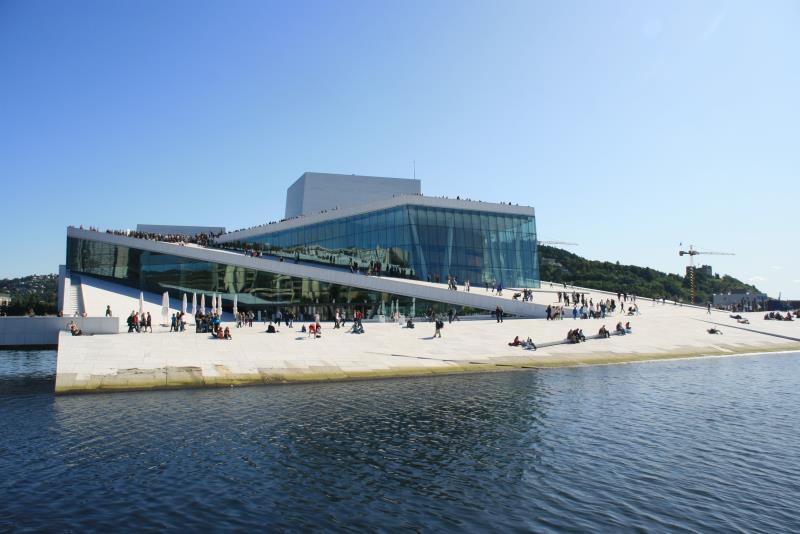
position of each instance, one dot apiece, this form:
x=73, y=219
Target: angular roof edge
x=399, y=200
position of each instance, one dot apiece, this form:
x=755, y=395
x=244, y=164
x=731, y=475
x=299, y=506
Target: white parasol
x=165, y=306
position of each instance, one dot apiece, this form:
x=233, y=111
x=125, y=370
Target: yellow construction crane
x=692, y=252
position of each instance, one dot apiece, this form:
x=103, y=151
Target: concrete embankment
x=186, y=359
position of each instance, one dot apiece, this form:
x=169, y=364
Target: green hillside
x=36, y=292
x=558, y=265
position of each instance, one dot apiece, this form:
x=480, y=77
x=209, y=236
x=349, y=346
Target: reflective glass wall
x=255, y=290
x=420, y=242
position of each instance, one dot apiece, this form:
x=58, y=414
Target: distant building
x=740, y=301
x=5, y=299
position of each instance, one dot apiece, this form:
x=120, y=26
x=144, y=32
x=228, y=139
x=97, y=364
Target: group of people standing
x=574, y=297
x=452, y=283
x=206, y=322
x=589, y=310
x=177, y=322
x=244, y=318
x=495, y=288
x=140, y=323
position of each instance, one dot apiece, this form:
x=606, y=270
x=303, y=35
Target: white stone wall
x=20, y=331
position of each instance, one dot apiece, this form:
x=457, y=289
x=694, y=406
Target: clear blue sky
x=629, y=126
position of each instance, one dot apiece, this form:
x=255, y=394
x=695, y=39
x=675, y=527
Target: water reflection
x=691, y=445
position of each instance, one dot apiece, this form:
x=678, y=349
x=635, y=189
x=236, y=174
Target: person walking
x=439, y=325
x=108, y=311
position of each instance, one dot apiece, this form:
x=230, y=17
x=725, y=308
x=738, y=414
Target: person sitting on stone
x=529, y=344
x=227, y=333
x=220, y=334
x=357, y=328
x=74, y=330
x=409, y=323
x=318, y=329
x=312, y=330
x=579, y=335
x=713, y=330
x=604, y=332
x=628, y=327
x=572, y=336
x=620, y=330
x=272, y=330
x=515, y=343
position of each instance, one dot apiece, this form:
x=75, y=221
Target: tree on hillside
x=558, y=265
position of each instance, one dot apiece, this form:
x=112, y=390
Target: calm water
x=694, y=445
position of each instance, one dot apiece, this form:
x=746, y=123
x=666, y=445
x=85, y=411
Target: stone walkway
x=186, y=359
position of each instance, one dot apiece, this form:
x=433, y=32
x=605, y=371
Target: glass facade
x=255, y=290
x=420, y=242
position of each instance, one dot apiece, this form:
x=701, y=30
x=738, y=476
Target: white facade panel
x=316, y=191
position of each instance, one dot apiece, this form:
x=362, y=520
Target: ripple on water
x=703, y=445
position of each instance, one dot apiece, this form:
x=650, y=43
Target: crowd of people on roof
x=202, y=239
